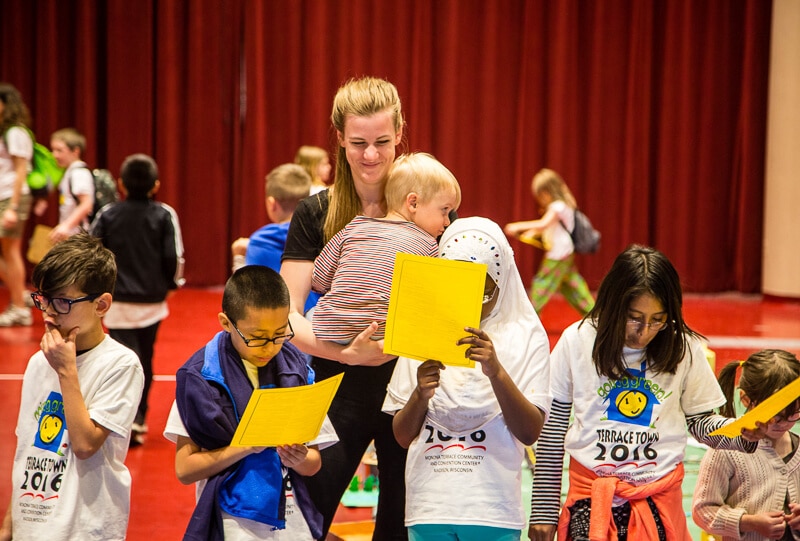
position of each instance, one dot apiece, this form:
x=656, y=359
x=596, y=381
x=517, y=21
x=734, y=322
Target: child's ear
x=121, y=187
x=411, y=200
x=744, y=399
x=154, y=189
x=224, y=321
x=103, y=304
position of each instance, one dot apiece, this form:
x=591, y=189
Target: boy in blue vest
x=253, y=492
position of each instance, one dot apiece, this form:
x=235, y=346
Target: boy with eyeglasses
x=79, y=396
x=244, y=492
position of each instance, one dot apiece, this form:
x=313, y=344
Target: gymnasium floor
x=735, y=325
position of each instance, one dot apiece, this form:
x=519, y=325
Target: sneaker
x=139, y=428
x=15, y=315
x=136, y=440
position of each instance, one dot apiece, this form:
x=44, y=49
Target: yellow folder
x=284, y=416
x=763, y=412
x=431, y=302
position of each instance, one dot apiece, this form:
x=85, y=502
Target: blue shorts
x=461, y=532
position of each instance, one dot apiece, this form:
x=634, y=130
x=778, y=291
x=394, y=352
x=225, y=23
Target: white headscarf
x=465, y=400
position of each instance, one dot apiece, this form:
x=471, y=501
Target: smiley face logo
x=49, y=428
x=631, y=404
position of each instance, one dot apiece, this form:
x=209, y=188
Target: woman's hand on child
x=364, y=351
x=428, y=375
x=292, y=455
x=481, y=350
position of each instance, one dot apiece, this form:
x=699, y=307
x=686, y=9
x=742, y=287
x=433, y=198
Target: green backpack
x=46, y=174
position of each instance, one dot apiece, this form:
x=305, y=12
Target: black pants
x=581, y=511
x=141, y=341
x=357, y=417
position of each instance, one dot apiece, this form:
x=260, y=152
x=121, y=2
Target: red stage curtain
x=654, y=112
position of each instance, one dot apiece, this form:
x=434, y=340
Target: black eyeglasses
x=60, y=304
x=261, y=342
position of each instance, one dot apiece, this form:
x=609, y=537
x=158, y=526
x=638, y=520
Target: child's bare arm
x=523, y=419
x=192, y=463
x=408, y=421
x=515, y=229
x=302, y=459
x=85, y=204
x=5, y=527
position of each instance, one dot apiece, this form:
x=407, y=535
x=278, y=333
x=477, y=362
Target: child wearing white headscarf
x=466, y=428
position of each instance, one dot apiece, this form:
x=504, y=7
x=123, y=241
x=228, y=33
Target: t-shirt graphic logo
x=51, y=424
x=632, y=399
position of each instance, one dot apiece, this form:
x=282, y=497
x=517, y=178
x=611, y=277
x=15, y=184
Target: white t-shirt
x=16, y=142
x=557, y=236
x=480, y=468
x=77, y=180
x=57, y=496
x=242, y=529
x=634, y=428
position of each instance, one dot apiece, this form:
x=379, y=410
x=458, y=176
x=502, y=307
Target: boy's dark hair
x=81, y=260
x=763, y=374
x=139, y=173
x=636, y=271
x=253, y=286
x=70, y=137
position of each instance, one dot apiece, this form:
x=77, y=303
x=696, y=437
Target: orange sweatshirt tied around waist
x=665, y=492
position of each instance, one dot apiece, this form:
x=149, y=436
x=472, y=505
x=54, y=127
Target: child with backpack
x=558, y=271
x=145, y=237
x=76, y=189
x=754, y=496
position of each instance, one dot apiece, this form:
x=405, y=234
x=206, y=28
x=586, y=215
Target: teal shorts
x=461, y=532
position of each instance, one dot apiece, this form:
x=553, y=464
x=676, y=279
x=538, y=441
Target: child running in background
x=558, y=272
x=244, y=493
x=635, y=376
x=76, y=189
x=354, y=269
x=754, y=496
x=488, y=413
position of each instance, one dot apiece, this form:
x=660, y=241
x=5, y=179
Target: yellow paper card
x=432, y=300
x=534, y=240
x=285, y=415
x=765, y=411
